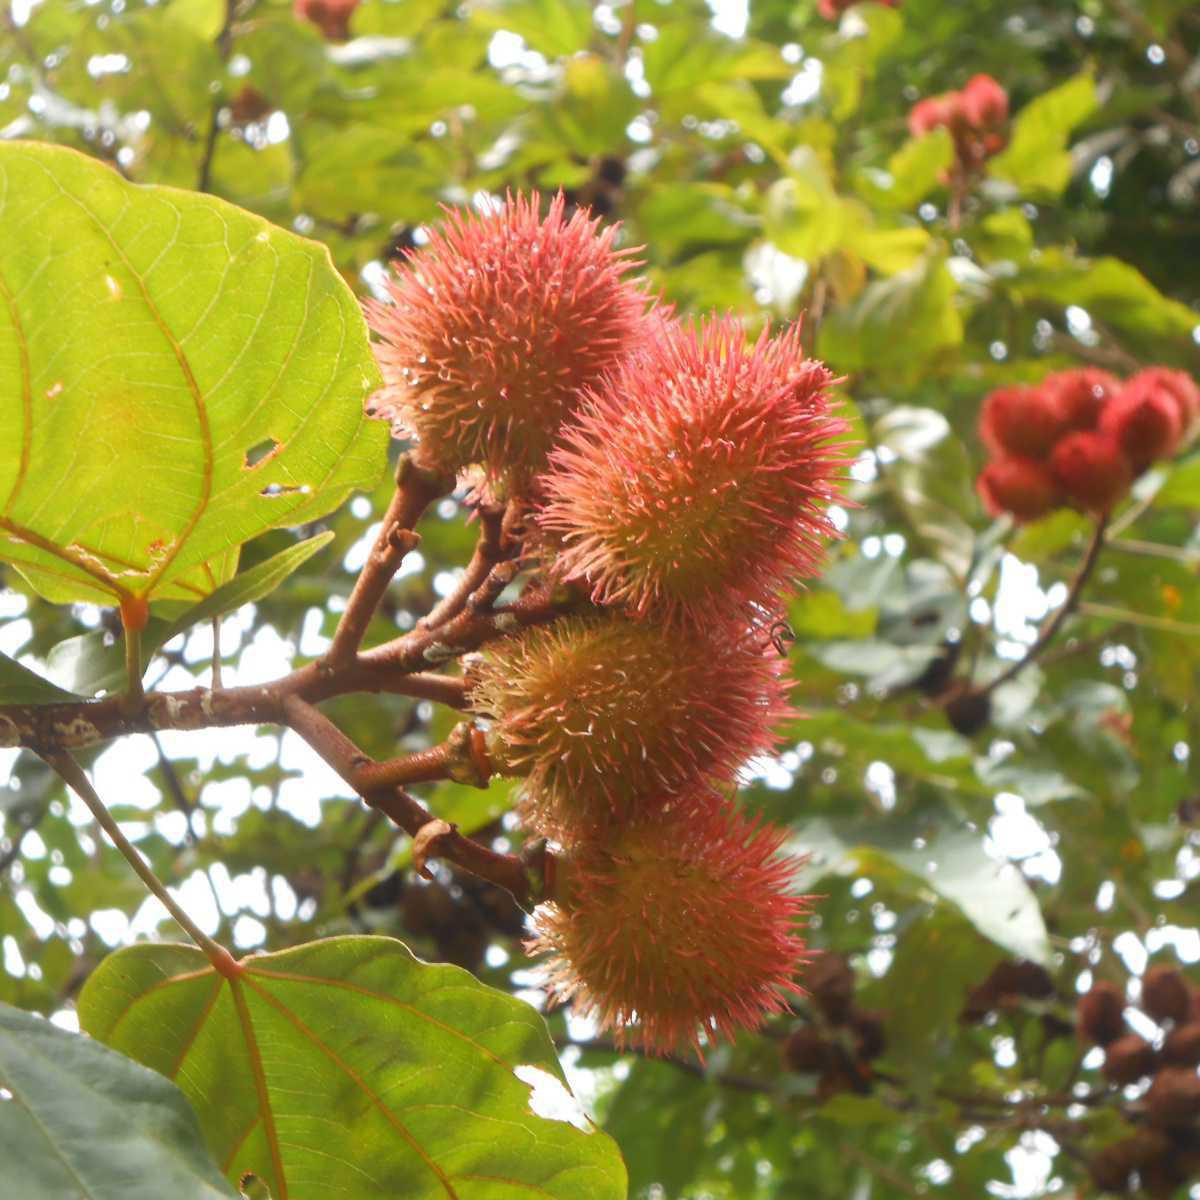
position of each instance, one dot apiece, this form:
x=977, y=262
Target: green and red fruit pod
x=608, y=717
x=1081, y=396
x=984, y=102
x=1145, y=422
x=676, y=930
x=695, y=486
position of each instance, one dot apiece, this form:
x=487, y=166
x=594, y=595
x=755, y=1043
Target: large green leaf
x=183, y=377
x=897, y=326
x=86, y=1123
x=947, y=859
x=349, y=1067
x=1110, y=290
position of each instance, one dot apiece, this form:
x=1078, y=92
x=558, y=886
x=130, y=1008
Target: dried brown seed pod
x=1182, y=1047
x=1128, y=1059
x=1100, y=1014
x=1174, y=1097
x=830, y=979
x=1165, y=994
x=807, y=1051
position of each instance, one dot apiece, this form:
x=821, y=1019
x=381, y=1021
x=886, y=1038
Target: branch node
x=424, y=843
x=467, y=758
x=538, y=865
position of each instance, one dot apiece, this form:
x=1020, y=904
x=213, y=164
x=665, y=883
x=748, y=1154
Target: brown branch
x=73, y=775
x=224, y=48
x=397, y=667
x=528, y=877
x=1050, y=629
x=462, y=757
x=493, y=547
x=416, y=489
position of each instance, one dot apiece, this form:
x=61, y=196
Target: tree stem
x=1050, y=629
x=416, y=488
x=76, y=779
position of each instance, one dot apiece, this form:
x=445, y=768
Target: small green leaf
x=558, y=28
x=1182, y=488
x=347, y=1066
x=1037, y=160
x=946, y=858
x=249, y=586
x=898, y=325
x=888, y=250
x=912, y=171
x=87, y=1123
x=95, y=662
x=804, y=216
x=20, y=685
x=155, y=427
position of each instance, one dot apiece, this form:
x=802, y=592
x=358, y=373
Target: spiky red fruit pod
x=1145, y=422
x=695, y=485
x=1174, y=386
x=1023, y=421
x=984, y=102
x=495, y=327
x=1081, y=396
x=1092, y=469
x=687, y=926
x=331, y=17
x=1021, y=486
x=609, y=718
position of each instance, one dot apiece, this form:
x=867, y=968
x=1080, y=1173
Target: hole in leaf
x=550, y=1099
x=253, y=1188
x=284, y=489
x=259, y=453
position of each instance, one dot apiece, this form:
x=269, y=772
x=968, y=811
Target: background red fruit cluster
x=975, y=116
x=1080, y=438
x=832, y=9
x=331, y=17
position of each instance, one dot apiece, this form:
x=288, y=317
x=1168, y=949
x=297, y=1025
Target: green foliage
x=82, y=1121
x=772, y=172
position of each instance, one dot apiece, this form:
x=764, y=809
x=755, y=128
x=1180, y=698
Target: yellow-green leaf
x=348, y=1067
x=180, y=376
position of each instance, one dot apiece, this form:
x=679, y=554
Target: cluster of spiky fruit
x=1164, y=1150
x=975, y=117
x=672, y=480
x=1081, y=437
